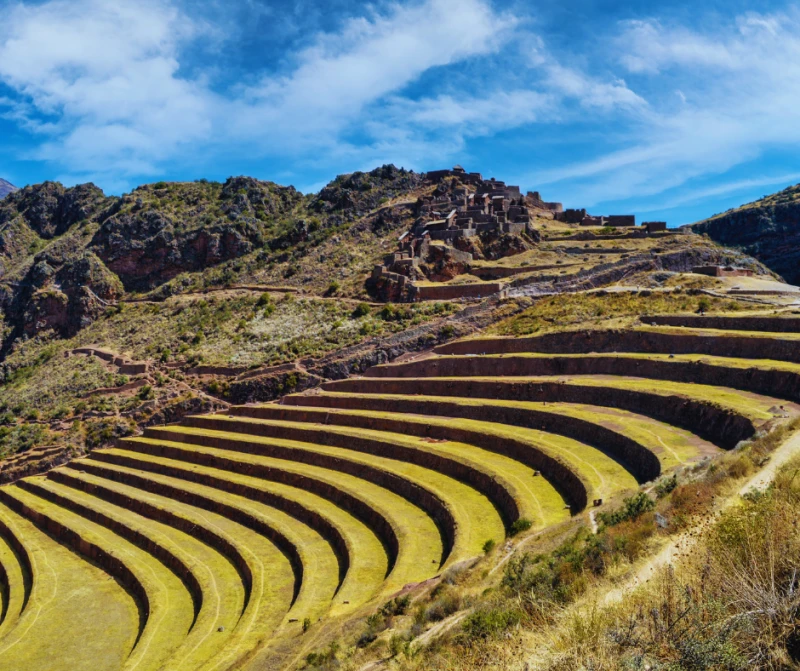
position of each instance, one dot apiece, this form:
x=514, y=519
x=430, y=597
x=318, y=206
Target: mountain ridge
x=767, y=229
x=6, y=187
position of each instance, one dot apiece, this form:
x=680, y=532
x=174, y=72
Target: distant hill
x=768, y=229
x=6, y=188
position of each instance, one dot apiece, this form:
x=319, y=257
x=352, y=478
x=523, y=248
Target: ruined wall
x=448, y=292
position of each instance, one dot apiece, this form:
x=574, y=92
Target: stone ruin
x=462, y=212
x=463, y=205
x=723, y=271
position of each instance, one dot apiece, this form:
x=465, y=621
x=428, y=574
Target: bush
x=490, y=622
x=488, y=546
x=666, y=486
x=145, y=393
x=522, y=524
x=362, y=310
x=397, y=606
x=445, y=602
x=633, y=506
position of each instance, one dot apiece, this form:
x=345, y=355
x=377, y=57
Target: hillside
x=767, y=229
x=395, y=423
x=6, y=188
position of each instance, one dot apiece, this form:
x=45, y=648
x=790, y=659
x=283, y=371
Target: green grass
x=78, y=617
x=221, y=588
x=272, y=577
x=536, y=497
x=601, y=474
x=419, y=540
x=672, y=445
x=368, y=561
x=13, y=596
x=475, y=515
x=722, y=361
x=600, y=309
x=752, y=406
x=691, y=330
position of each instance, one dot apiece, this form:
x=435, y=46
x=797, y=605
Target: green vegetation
x=601, y=308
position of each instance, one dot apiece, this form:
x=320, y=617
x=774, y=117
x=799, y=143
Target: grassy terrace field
x=419, y=542
x=250, y=538
x=673, y=446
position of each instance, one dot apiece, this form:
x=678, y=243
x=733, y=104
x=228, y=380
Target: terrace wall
x=656, y=342
x=718, y=425
x=644, y=465
x=770, y=382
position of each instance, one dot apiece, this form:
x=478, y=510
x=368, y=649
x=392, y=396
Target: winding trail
x=686, y=540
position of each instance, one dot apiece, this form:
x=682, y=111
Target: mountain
x=6, y=188
x=767, y=229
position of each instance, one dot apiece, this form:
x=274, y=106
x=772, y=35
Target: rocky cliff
x=768, y=229
x=6, y=188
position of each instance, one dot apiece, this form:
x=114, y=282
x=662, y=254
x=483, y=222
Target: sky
x=673, y=111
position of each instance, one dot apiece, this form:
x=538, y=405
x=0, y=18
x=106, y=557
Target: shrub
x=489, y=622
x=633, y=506
x=397, y=606
x=522, y=524
x=145, y=393
x=488, y=546
x=666, y=486
x=361, y=310
x=447, y=331
x=306, y=624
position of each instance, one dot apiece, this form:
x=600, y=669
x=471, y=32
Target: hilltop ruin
x=464, y=218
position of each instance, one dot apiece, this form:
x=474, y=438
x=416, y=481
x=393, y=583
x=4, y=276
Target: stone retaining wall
x=106, y=561
x=770, y=382
x=429, y=502
x=642, y=463
x=309, y=517
x=379, y=524
x=718, y=425
x=491, y=486
x=755, y=323
x=655, y=342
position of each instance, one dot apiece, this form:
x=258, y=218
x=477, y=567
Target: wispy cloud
x=737, y=91
x=115, y=91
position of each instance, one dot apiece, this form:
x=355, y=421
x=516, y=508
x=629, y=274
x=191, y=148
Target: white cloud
x=105, y=75
x=733, y=95
x=108, y=79
x=334, y=80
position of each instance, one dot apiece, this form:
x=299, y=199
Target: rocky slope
x=6, y=188
x=768, y=229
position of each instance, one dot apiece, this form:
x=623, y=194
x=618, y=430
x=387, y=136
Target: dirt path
x=685, y=541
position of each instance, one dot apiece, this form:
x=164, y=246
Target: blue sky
x=672, y=110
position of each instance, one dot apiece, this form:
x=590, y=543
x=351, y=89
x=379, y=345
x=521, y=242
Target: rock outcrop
x=768, y=229
x=6, y=187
